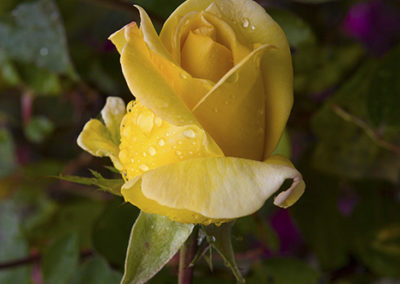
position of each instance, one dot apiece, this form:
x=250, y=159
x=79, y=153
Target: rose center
x=205, y=58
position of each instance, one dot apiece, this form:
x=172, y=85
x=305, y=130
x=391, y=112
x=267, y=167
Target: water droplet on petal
x=189, y=133
x=161, y=142
x=145, y=122
x=245, y=23
x=158, y=121
x=179, y=153
x=253, y=27
x=143, y=167
x=183, y=75
x=152, y=151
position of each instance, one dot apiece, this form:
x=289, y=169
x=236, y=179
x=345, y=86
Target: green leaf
x=95, y=270
x=383, y=98
x=284, y=271
x=154, y=240
x=113, y=227
x=110, y=185
x=376, y=229
x=40, y=80
x=13, y=246
x=325, y=230
x=78, y=216
x=38, y=128
x=351, y=153
x=8, y=72
x=329, y=64
x=35, y=35
x=220, y=238
x=7, y=156
x=60, y=260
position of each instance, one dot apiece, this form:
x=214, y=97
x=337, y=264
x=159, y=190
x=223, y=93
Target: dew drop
x=245, y=23
x=143, y=167
x=189, y=133
x=180, y=142
x=252, y=27
x=183, y=75
x=161, y=142
x=145, y=122
x=152, y=151
x=158, y=121
x=144, y=154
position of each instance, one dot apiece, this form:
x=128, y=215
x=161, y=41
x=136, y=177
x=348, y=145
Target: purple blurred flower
x=289, y=236
x=375, y=23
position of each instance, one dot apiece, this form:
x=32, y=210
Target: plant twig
x=186, y=255
x=35, y=257
x=367, y=129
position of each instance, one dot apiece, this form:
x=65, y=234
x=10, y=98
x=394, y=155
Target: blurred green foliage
x=56, y=70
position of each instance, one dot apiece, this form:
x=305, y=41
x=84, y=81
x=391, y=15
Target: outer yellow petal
x=118, y=38
x=158, y=83
x=150, y=87
x=112, y=114
x=150, y=35
x=252, y=25
x=148, y=142
x=96, y=139
x=217, y=188
x=233, y=111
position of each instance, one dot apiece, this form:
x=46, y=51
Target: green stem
x=186, y=255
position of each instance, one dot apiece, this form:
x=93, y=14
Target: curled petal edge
x=213, y=189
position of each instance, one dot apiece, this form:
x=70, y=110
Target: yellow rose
x=213, y=94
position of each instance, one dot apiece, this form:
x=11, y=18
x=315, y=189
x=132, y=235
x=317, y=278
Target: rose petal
x=148, y=142
x=205, y=58
x=96, y=139
x=112, y=114
x=213, y=189
x=251, y=23
x=150, y=35
x=233, y=111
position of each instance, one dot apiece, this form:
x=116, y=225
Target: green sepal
x=110, y=185
x=220, y=238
